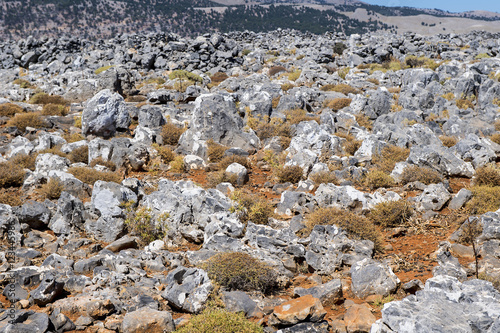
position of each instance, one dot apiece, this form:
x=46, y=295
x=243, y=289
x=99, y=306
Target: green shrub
x=141, y=223
x=354, y=224
x=291, y=173
x=415, y=173
x=220, y=321
x=23, y=120
x=9, y=109
x=487, y=175
x=177, y=165
x=170, y=134
x=11, y=175
x=485, y=199
x=79, y=155
x=90, y=176
x=391, y=213
x=377, y=179
x=294, y=75
x=52, y=189
x=240, y=271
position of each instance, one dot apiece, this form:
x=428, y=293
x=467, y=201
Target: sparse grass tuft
x=364, y=121
x=240, y=271
x=495, y=138
x=391, y=213
x=276, y=69
x=102, y=69
x=166, y=154
x=141, y=223
x=354, y=224
x=177, y=165
x=341, y=88
x=22, y=83
x=294, y=75
x=415, y=173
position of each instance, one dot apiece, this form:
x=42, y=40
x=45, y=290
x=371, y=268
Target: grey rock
x=292, y=203
x=187, y=289
x=14, y=292
x=151, y=116
x=239, y=171
x=238, y=301
x=21, y=321
x=460, y=199
x=104, y=114
x=106, y=228
x=34, y=213
x=48, y=290
x=370, y=277
x=434, y=197
x=58, y=262
x=107, y=197
x=69, y=214
x=413, y=286
x=472, y=306
x=440, y=159
x=61, y=322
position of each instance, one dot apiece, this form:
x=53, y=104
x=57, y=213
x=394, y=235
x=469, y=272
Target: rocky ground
x=309, y=183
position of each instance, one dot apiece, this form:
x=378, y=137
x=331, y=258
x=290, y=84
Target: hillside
x=105, y=18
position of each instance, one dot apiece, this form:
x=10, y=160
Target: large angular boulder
x=147, y=320
x=444, y=305
x=305, y=308
x=104, y=114
x=370, y=277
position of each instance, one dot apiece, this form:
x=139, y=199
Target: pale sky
x=449, y=5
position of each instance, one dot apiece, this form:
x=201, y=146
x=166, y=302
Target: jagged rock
x=69, y=214
x=104, y=114
x=359, y=318
x=24, y=321
x=456, y=307
x=370, y=277
x=107, y=197
x=47, y=291
x=238, y=301
x=434, y=197
x=448, y=264
x=36, y=214
x=460, y=199
x=187, y=289
x=440, y=159
x=61, y=322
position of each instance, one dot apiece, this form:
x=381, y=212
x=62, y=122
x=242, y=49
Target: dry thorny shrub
x=415, y=173
x=324, y=177
x=487, y=175
x=52, y=189
x=228, y=160
x=377, y=178
x=337, y=103
x=23, y=120
x=391, y=213
x=289, y=173
x=354, y=224
x=296, y=116
x=9, y=109
x=252, y=208
x=90, y=176
x=215, y=151
x=11, y=175
x=101, y=161
x=79, y=155
x=448, y=141
x=389, y=156
x=170, y=134
x=10, y=197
